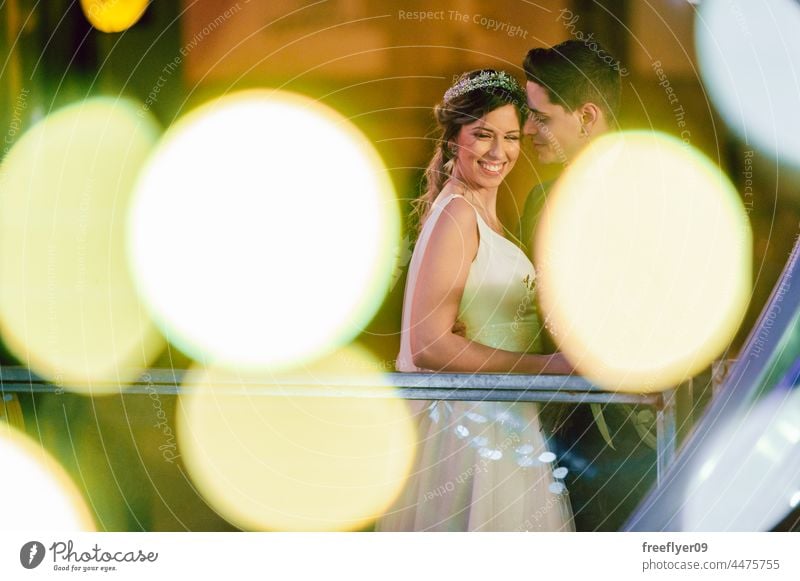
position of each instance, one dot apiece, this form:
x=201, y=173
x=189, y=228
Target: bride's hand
x=559, y=365
x=555, y=364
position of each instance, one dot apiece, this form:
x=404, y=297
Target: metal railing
x=498, y=387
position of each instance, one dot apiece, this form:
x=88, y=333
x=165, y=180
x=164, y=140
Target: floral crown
x=483, y=80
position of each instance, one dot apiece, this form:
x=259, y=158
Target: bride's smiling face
x=487, y=149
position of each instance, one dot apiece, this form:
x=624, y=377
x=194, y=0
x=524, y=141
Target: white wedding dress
x=481, y=466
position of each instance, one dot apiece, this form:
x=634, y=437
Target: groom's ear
x=591, y=117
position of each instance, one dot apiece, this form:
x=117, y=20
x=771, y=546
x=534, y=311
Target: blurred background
x=384, y=69
x=381, y=65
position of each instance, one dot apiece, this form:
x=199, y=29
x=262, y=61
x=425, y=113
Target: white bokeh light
x=38, y=493
x=749, y=55
x=750, y=471
x=262, y=231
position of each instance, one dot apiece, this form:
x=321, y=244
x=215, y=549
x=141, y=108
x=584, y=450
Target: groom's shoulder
x=531, y=211
x=536, y=198
x=540, y=190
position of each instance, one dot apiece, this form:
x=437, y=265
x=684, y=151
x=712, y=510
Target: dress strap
x=483, y=227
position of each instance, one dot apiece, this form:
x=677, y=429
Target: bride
x=481, y=466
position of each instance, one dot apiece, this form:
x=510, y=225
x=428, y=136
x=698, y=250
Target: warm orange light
x=113, y=15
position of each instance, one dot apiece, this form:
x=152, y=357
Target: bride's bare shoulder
x=452, y=188
x=458, y=215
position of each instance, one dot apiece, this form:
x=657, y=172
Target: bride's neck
x=486, y=196
x=484, y=199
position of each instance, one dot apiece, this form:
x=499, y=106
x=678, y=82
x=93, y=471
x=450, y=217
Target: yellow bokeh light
x=38, y=494
x=68, y=307
x=644, y=260
x=113, y=15
x=290, y=462
x=263, y=230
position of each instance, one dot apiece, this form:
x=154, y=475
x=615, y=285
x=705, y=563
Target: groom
x=574, y=96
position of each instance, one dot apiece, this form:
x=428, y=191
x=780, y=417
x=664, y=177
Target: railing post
x=665, y=432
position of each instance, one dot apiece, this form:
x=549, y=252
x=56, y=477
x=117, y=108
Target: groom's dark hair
x=574, y=73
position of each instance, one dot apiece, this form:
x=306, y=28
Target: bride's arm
x=439, y=286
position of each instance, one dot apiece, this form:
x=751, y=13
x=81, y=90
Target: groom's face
x=554, y=131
